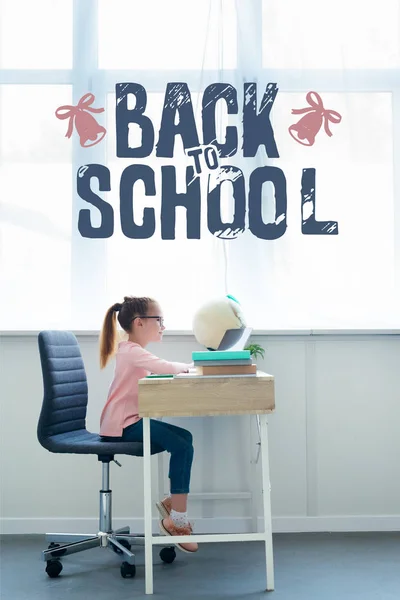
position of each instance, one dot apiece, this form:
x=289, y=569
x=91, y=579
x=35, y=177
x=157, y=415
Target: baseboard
x=214, y=525
x=334, y=523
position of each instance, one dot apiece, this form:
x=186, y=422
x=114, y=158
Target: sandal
x=168, y=527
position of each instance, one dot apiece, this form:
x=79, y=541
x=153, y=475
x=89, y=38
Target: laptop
x=235, y=339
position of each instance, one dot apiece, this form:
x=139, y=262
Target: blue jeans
x=175, y=440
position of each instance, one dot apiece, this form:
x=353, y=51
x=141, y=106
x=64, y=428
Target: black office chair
x=62, y=429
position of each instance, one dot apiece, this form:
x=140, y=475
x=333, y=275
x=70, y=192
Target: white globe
x=211, y=320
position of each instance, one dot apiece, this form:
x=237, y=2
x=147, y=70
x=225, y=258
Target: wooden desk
x=206, y=396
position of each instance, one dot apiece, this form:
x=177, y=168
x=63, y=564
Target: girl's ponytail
x=108, y=336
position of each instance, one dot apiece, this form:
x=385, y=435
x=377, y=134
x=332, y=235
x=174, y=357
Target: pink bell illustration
x=309, y=125
x=90, y=132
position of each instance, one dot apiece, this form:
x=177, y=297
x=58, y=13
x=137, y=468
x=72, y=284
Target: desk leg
x=148, y=546
x=267, y=503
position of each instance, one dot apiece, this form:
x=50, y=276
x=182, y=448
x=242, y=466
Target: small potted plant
x=255, y=351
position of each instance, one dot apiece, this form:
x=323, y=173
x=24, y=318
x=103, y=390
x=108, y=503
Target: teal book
x=227, y=363
x=207, y=355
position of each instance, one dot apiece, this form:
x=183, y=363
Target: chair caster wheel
x=168, y=555
x=123, y=543
x=128, y=570
x=53, y=568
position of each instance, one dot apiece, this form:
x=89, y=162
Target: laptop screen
x=235, y=339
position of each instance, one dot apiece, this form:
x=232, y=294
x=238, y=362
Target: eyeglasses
x=160, y=319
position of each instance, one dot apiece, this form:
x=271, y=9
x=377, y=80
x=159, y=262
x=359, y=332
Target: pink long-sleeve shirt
x=132, y=363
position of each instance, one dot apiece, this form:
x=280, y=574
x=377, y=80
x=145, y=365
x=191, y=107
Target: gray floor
x=361, y=566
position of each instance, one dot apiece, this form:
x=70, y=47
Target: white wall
x=334, y=442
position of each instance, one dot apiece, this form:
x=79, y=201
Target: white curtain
x=349, y=54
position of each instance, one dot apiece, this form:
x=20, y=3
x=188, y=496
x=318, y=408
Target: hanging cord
x=204, y=56
x=220, y=41
x=220, y=77
x=241, y=44
x=255, y=460
x=220, y=69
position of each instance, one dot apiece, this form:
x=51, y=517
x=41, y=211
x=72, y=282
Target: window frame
x=85, y=76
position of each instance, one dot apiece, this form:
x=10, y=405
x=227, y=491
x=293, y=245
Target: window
x=36, y=199
x=173, y=35
x=36, y=35
x=53, y=277
x=308, y=35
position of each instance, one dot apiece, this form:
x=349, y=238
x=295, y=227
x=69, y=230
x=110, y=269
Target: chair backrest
x=65, y=385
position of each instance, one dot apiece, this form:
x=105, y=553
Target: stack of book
x=224, y=362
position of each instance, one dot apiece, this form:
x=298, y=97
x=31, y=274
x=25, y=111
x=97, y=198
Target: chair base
x=71, y=543
x=120, y=540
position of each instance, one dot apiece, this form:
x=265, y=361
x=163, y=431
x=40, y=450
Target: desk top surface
x=195, y=379
x=201, y=395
